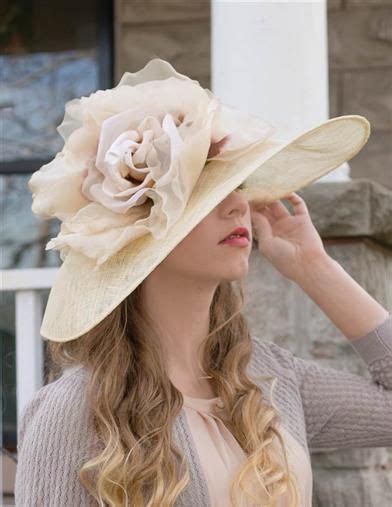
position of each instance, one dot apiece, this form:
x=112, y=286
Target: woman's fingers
x=298, y=204
x=267, y=212
x=278, y=210
x=261, y=228
x=274, y=211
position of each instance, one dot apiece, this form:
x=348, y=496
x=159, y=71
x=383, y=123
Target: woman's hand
x=290, y=242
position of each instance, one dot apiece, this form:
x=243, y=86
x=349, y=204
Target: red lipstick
x=238, y=237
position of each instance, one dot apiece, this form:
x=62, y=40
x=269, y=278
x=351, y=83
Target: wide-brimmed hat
x=142, y=164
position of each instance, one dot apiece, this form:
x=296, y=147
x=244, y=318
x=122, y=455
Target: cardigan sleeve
x=345, y=410
x=52, y=445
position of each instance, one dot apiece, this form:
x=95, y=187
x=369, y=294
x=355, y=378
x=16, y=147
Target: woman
x=187, y=294
x=168, y=401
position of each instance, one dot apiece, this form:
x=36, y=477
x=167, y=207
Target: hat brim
x=81, y=297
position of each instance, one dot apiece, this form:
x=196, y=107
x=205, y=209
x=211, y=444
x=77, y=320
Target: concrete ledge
x=359, y=209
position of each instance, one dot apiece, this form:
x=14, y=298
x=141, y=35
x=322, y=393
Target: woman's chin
x=238, y=273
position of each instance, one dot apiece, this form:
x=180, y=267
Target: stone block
x=335, y=92
x=374, y=161
x=354, y=459
x=365, y=4
x=360, y=38
x=350, y=209
x=277, y=309
x=162, y=11
x=348, y=488
x=369, y=93
x=334, y=4
x=185, y=46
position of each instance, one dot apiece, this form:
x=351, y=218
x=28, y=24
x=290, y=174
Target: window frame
x=105, y=57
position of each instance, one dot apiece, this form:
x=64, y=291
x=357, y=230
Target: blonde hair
x=134, y=404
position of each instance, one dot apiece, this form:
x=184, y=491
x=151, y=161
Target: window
x=50, y=53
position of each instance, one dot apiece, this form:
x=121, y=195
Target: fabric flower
x=132, y=156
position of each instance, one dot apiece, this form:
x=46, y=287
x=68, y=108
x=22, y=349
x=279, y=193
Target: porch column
x=271, y=59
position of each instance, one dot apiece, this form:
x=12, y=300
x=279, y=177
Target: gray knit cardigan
x=323, y=408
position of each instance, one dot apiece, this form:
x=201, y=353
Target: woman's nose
x=235, y=203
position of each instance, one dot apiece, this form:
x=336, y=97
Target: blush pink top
x=221, y=455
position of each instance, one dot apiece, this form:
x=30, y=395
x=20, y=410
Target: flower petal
x=56, y=188
x=155, y=70
x=72, y=118
x=235, y=132
x=98, y=232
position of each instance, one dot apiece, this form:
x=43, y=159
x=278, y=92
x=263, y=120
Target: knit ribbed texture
x=321, y=407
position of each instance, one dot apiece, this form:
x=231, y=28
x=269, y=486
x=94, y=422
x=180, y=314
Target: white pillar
x=29, y=347
x=28, y=318
x=270, y=58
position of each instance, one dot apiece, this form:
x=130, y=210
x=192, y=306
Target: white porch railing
x=28, y=315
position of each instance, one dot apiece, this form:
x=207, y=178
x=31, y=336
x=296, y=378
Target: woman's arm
x=343, y=409
x=353, y=311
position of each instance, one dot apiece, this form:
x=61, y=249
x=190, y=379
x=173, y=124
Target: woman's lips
x=238, y=241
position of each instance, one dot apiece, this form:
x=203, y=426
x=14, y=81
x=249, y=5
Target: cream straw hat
x=142, y=164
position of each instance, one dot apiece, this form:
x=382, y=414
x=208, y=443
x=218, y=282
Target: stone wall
x=360, y=72
x=175, y=30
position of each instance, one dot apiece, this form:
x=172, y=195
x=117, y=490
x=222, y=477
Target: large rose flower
x=132, y=156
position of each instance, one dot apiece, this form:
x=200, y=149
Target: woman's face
x=200, y=254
